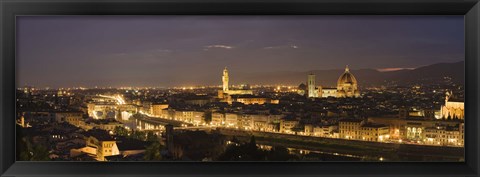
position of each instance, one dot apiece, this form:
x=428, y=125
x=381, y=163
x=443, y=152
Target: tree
x=139, y=135
x=244, y=152
x=279, y=153
x=232, y=153
x=235, y=139
x=208, y=117
x=40, y=153
x=253, y=143
x=153, y=152
x=34, y=152
x=298, y=128
x=120, y=131
x=152, y=137
x=253, y=152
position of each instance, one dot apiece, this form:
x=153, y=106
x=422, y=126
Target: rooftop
x=131, y=144
x=246, y=96
x=372, y=125
x=99, y=134
x=350, y=120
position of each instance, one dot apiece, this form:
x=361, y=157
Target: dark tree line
x=250, y=152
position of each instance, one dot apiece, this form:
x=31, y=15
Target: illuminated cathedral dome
x=347, y=77
x=347, y=85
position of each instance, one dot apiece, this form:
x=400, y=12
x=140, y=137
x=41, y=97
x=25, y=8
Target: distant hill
x=366, y=77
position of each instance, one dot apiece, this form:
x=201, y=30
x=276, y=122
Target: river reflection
x=152, y=124
x=142, y=124
x=315, y=155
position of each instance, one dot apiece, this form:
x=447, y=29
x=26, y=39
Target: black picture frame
x=12, y=8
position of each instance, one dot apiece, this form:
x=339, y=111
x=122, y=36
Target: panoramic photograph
x=240, y=88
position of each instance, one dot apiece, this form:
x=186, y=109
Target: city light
x=273, y=112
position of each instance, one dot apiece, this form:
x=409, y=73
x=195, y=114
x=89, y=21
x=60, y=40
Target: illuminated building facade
x=196, y=117
x=308, y=129
x=225, y=80
x=421, y=130
x=260, y=121
x=302, y=88
x=104, y=145
x=218, y=119
x=326, y=131
x=156, y=109
x=350, y=129
x=68, y=116
x=287, y=125
x=444, y=135
x=415, y=131
x=375, y=132
x=311, y=87
x=21, y=122
x=109, y=126
x=347, y=85
x=226, y=92
x=251, y=99
x=453, y=108
x=328, y=92
x=356, y=129
x=231, y=119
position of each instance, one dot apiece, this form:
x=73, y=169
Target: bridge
x=149, y=123
x=117, y=98
x=109, y=106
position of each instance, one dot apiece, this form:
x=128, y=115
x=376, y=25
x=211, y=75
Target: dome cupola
x=347, y=85
x=347, y=77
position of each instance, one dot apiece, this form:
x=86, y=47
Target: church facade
x=453, y=108
x=347, y=86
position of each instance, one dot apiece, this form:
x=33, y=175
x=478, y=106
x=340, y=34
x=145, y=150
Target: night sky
x=88, y=51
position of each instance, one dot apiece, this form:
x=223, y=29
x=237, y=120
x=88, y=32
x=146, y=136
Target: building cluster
x=411, y=126
x=75, y=118
x=104, y=107
x=347, y=86
x=360, y=130
x=244, y=95
x=404, y=130
x=80, y=123
x=70, y=136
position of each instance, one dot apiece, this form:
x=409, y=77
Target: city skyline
x=240, y=88
x=161, y=51
x=454, y=69
x=221, y=124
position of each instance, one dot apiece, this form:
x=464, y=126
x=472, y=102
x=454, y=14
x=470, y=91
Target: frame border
x=12, y=8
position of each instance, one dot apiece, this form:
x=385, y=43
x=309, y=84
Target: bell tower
x=225, y=79
x=312, y=91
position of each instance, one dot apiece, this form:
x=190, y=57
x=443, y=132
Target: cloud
x=393, y=69
x=282, y=47
x=218, y=46
x=150, y=52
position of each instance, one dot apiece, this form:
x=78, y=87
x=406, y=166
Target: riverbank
x=371, y=151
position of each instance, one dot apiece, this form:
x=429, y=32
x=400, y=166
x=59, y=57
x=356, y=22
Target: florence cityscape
x=203, y=88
